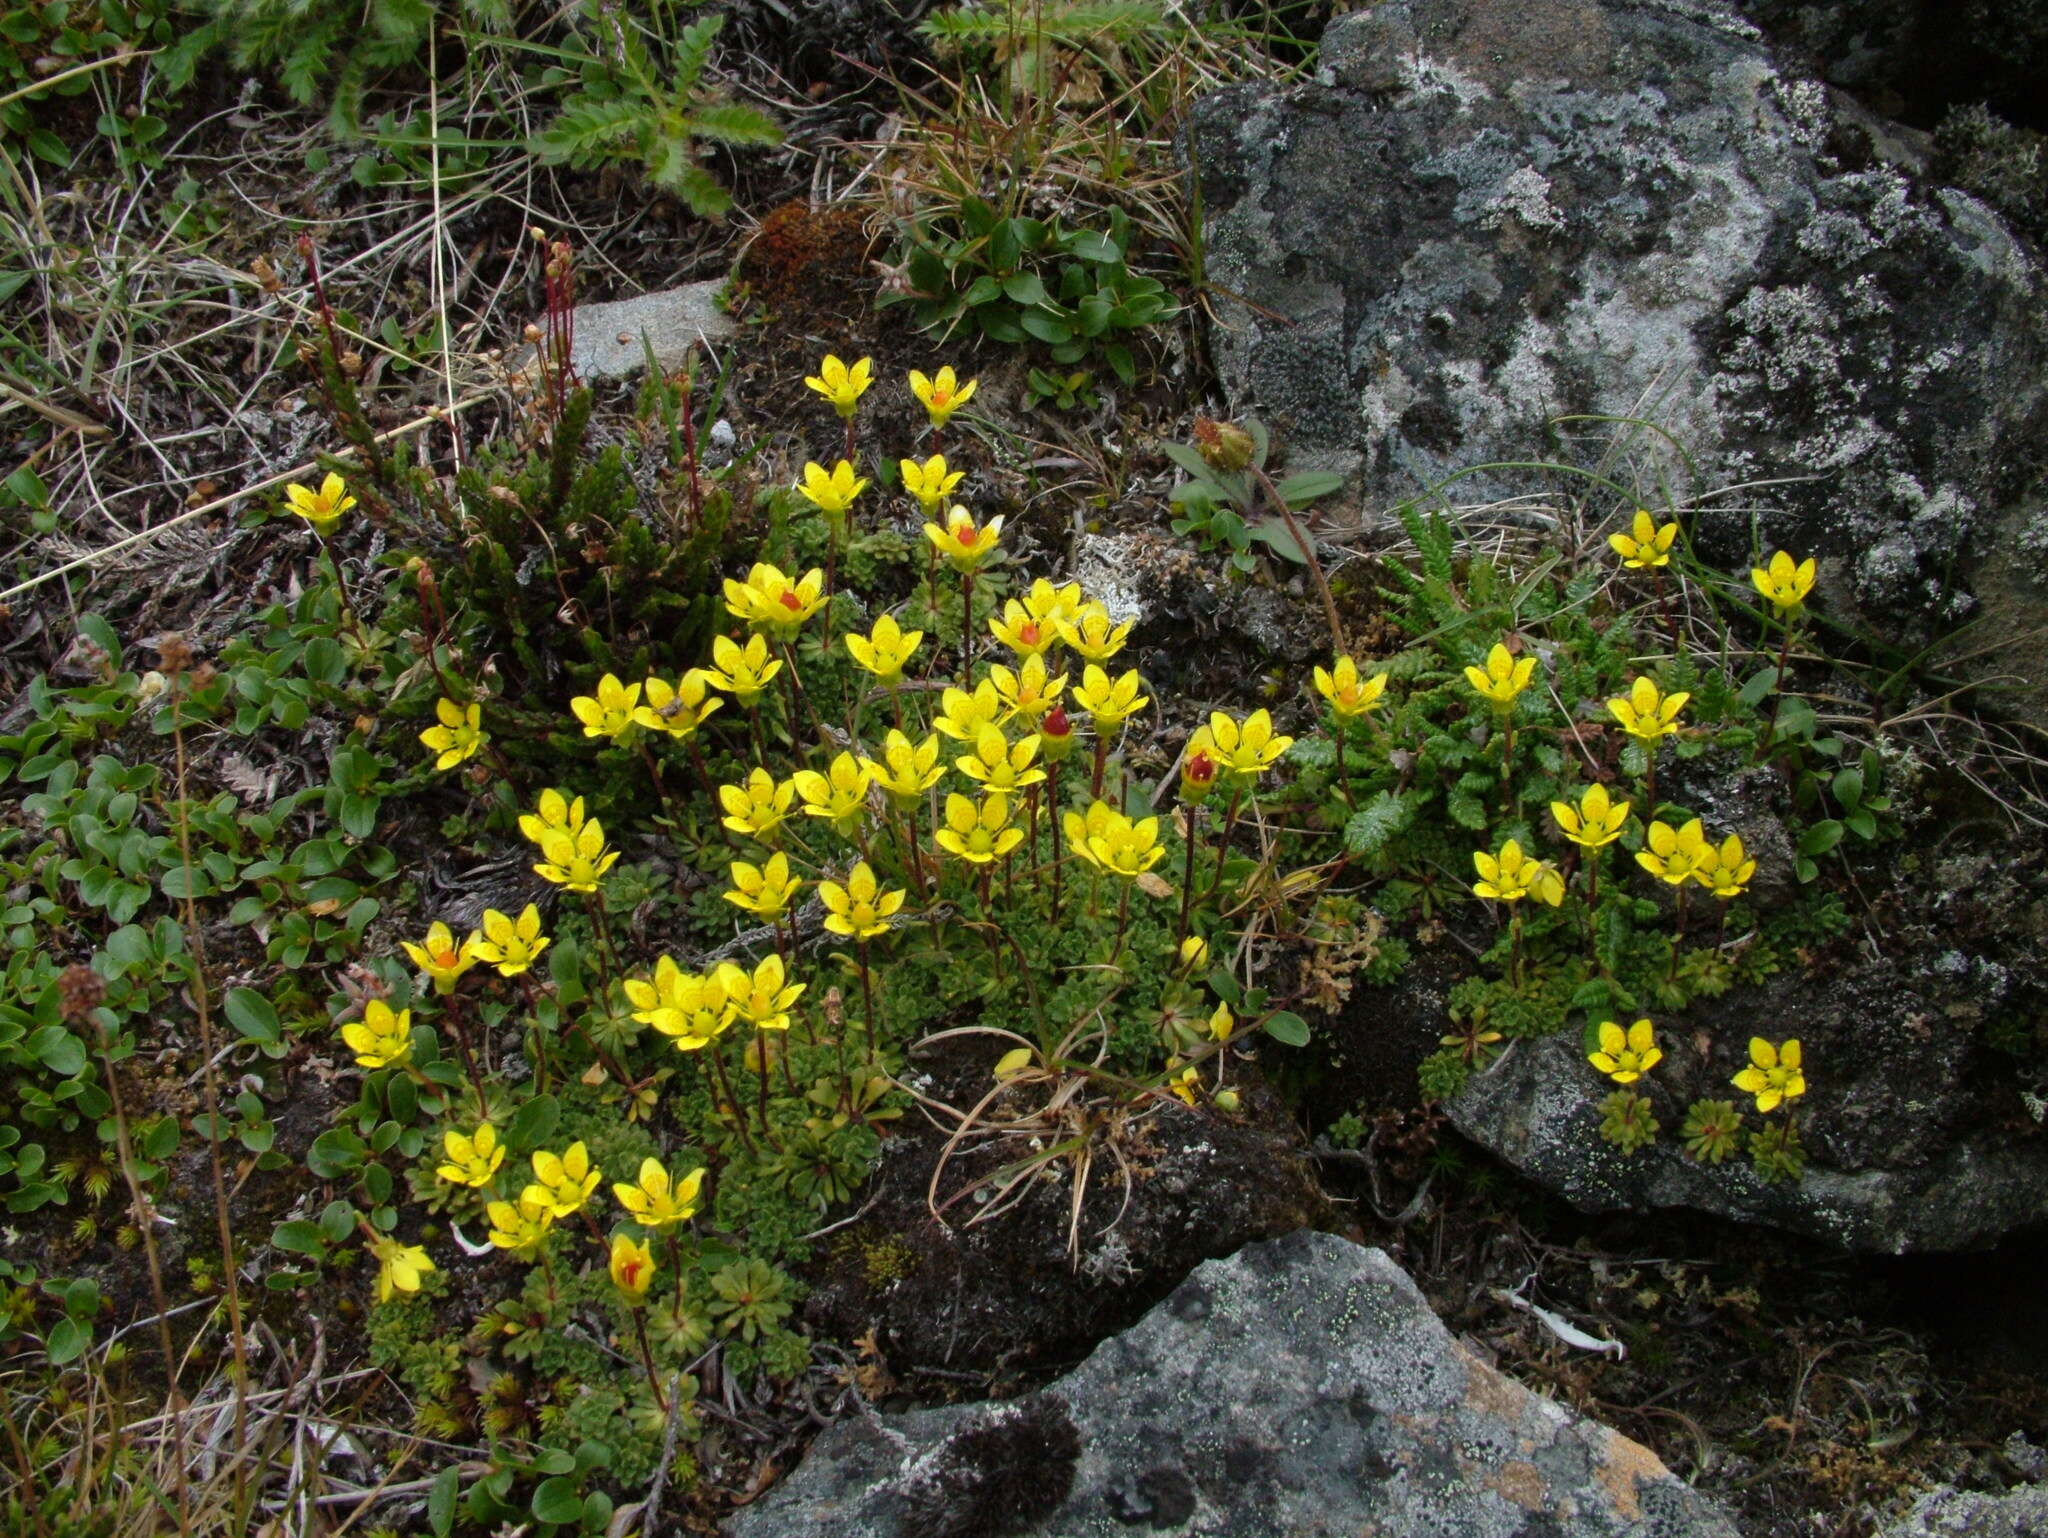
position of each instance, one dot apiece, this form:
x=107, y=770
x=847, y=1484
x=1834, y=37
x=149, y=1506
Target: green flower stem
x=1778, y=693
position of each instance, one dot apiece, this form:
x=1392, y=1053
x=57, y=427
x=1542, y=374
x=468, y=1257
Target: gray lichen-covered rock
x=1300, y=1388
x=613, y=339
x=1483, y=217
x=1538, y=1108
x=1949, y=1513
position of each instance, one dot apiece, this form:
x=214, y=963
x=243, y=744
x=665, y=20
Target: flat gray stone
x=1299, y=1389
x=1951, y=1513
x=608, y=341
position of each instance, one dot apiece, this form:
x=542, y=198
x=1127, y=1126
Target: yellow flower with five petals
x=691, y=1009
x=839, y=795
x=1645, y=545
x=999, y=765
x=657, y=1199
x=511, y=945
x=763, y=890
x=1785, y=582
x=382, y=1038
x=1248, y=749
x=458, y=736
x=831, y=492
x=1503, y=677
x=931, y=482
x=1092, y=634
x=1110, y=704
x=632, y=1267
x=762, y=997
x=860, y=909
x=757, y=805
x=442, y=958
x=1595, y=822
x=885, y=650
x=322, y=508
x=978, y=834
x=577, y=861
x=678, y=709
x=1774, y=1075
x=400, y=1267
x=942, y=394
x=1348, y=694
x=742, y=671
x=840, y=385
x=473, y=1158
x=906, y=770
x=520, y=1226
x=1675, y=855
x=556, y=813
x=609, y=712
x=1625, y=1056
x=563, y=1181
x=1647, y=713
x=1028, y=692
x=964, y=543
x=1508, y=876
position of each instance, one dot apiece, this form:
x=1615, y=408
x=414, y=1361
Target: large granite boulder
x=1482, y=217
x=1300, y=1388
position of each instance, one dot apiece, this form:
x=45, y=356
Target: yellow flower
x=770, y=600
x=1647, y=545
x=840, y=385
x=964, y=544
x=1187, y=1083
x=472, y=1160
x=576, y=860
x=322, y=508
x=1222, y=1023
x=1247, y=750
x=1082, y=828
x=608, y=713
x=681, y=708
x=840, y=794
x=520, y=1226
x=942, y=395
x=1546, y=883
x=860, y=909
x=963, y=715
x=1192, y=956
x=511, y=945
x=931, y=483
x=761, y=997
x=1019, y=630
x=459, y=735
x=557, y=814
x=761, y=890
x=1001, y=766
x=885, y=650
x=1507, y=877
x=742, y=671
x=1597, y=821
x=1773, y=1074
x=562, y=1182
x=689, y=1009
x=831, y=493
x=1112, y=842
x=1675, y=854
x=1348, y=694
x=656, y=1200
x=1027, y=692
x=441, y=958
x=757, y=806
x=1646, y=713
x=632, y=1267
x=1625, y=1056
x=1110, y=704
x=1049, y=605
x=906, y=770
x=1785, y=582
x=1091, y=634
x=978, y=834
x=382, y=1038
x=1503, y=677
x=1727, y=870
x=399, y=1266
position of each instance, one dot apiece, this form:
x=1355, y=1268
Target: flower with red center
x=1197, y=776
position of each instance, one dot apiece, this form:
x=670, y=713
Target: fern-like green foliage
x=1026, y=36
x=326, y=48
x=653, y=112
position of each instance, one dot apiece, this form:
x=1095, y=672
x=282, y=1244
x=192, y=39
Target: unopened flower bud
x=1055, y=735
x=1197, y=777
x=1194, y=955
x=1224, y=1100
x=1222, y=445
